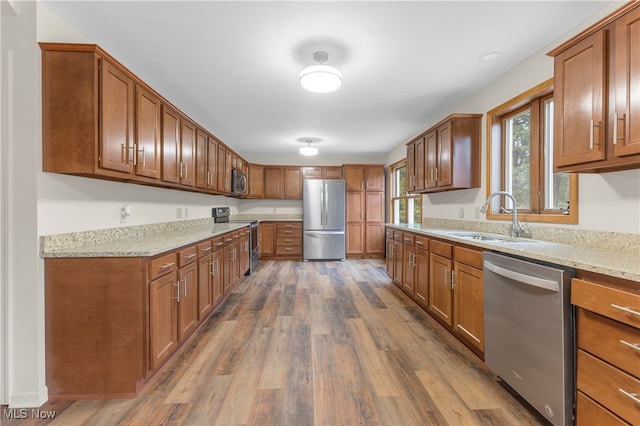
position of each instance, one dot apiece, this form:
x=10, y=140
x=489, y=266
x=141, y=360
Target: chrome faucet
x=516, y=227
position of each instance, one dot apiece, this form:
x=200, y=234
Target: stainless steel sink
x=486, y=237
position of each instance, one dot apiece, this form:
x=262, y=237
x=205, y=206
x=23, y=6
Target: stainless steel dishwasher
x=529, y=332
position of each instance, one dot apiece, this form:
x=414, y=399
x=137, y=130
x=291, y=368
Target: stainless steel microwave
x=238, y=182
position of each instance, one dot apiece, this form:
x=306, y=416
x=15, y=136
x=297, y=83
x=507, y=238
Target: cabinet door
x=244, y=253
x=332, y=172
x=408, y=273
x=355, y=207
x=188, y=300
x=375, y=178
x=421, y=293
x=256, y=181
x=627, y=84
x=148, y=137
x=445, y=156
x=292, y=183
x=431, y=160
x=389, y=257
x=266, y=239
x=374, y=239
x=212, y=163
x=578, y=97
x=440, y=297
x=354, y=178
x=419, y=166
x=217, y=265
x=205, y=303
x=468, y=309
x=354, y=239
x=163, y=318
x=116, y=118
x=398, y=262
x=224, y=179
x=273, y=182
x=202, y=149
x=411, y=167
x=188, y=153
x=170, y=145
x=374, y=206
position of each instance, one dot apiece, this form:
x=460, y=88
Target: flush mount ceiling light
x=489, y=57
x=309, y=150
x=320, y=78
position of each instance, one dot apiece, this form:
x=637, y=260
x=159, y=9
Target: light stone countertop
x=613, y=261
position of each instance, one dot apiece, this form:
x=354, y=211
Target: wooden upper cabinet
x=188, y=153
x=359, y=177
x=374, y=178
x=411, y=167
x=450, y=154
x=206, y=161
x=273, y=182
x=256, y=181
x=148, y=134
x=212, y=163
x=415, y=165
x=626, y=47
x=170, y=145
x=224, y=169
x=116, y=118
x=354, y=178
x=578, y=96
x=324, y=172
x=597, y=107
x=292, y=183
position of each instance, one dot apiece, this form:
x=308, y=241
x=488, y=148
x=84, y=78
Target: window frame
x=535, y=97
x=406, y=196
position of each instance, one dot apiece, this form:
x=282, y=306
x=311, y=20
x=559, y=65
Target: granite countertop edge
x=615, y=263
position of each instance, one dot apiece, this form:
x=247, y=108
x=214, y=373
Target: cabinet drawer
x=217, y=243
x=289, y=225
x=289, y=241
x=610, y=340
x=620, y=305
x=162, y=265
x=204, y=248
x=438, y=247
x=288, y=250
x=288, y=232
x=422, y=242
x=389, y=233
x=227, y=238
x=605, y=384
x=186, y=256
x=408, y=239
x=398, y=235
x=589, y=412
x=468, y=257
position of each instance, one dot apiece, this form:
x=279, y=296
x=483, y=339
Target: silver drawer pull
x=625, y=309
x=167, y=265
x=633, y=396
x=635, y=346
x=190, y=256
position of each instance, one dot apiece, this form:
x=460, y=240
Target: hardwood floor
x=325, y=343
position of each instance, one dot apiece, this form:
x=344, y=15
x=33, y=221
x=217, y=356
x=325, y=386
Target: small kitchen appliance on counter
x=221, y=215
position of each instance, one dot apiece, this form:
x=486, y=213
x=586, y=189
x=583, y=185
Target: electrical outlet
x=179, y=212
x=186, y=212
x=461, y=212
x=125, y=212
x=477, y=213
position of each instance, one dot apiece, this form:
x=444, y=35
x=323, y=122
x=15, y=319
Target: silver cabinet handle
x=167, y=265
x=185, y=287
x=446, y=275
x=190, y=256
x=134, y=154
x=590, y=134
x=523, y=278
x=625, y=309
x=180, y=169
x=635, y=346
x=615, y=128
x=177, y=284
x=453, y=276
x=633, y=396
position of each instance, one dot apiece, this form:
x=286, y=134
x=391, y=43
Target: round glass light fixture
x=309, y=150
x=320, y=78
x=490, y=57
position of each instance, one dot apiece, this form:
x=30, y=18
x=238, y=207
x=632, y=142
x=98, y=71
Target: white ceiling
x=233, y=66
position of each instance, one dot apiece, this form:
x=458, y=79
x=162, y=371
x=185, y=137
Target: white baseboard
x=29, y=399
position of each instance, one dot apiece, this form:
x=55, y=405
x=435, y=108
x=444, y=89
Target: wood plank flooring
x=324, y=343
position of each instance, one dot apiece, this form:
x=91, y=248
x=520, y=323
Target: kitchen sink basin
x=487, y=237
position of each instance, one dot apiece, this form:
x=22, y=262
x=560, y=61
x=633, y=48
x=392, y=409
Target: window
x=405, y=208
x=520, y=154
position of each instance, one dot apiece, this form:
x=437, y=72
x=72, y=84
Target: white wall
x=601, y=196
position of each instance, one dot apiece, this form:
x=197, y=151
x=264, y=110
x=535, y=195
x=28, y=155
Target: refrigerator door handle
x=325, y=204
x=322, y=201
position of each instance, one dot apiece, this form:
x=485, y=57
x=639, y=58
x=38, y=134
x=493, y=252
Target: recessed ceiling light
x=489, y=57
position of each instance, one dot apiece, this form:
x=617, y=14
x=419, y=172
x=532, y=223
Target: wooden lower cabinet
x=354, y=239
x=608, y=360
x=281, y=240
x=446, y=280
x=112, y=322
x=266, y=239
x=468, y=297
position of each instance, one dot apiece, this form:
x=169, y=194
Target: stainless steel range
x=221, y=215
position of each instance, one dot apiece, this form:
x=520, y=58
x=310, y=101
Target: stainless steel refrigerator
x=323, y=205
